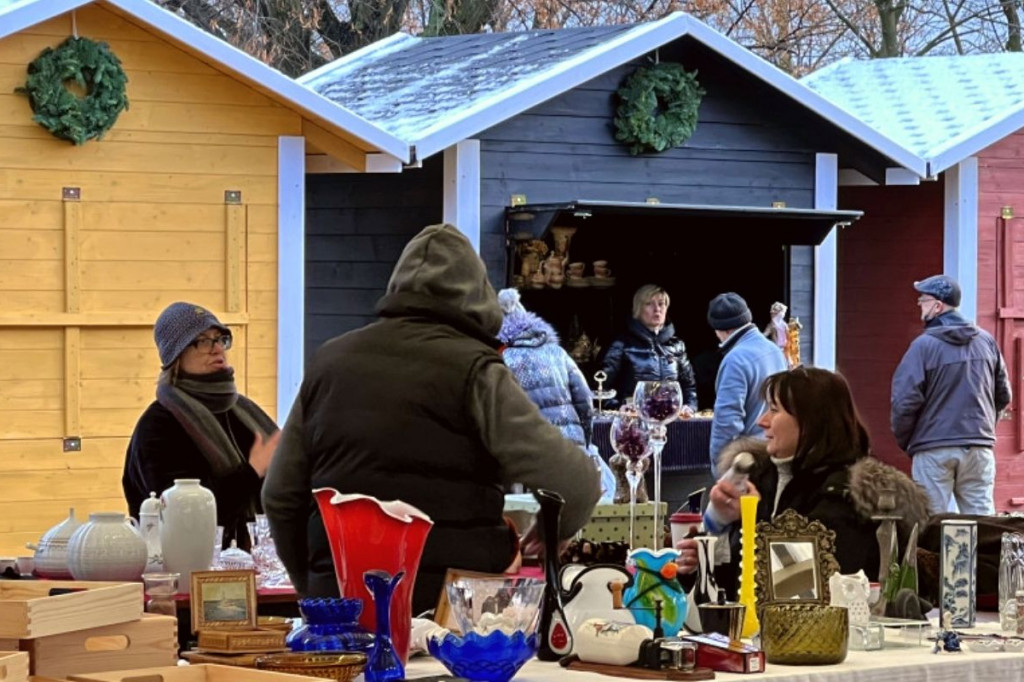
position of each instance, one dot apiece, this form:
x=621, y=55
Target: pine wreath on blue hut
x=96, y=70
x=657, y=108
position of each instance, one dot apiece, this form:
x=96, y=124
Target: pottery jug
x=107, y=547
x=188, y=526
x=366, y=534
x=51, y=553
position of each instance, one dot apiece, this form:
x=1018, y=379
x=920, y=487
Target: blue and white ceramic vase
x=958, y=565
x=382, y=662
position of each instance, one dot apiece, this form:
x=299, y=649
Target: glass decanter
x=631, y=437
x=270, y=572
x=659, y=403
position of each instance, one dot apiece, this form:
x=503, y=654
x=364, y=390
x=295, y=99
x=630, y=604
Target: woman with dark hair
x=815, y=459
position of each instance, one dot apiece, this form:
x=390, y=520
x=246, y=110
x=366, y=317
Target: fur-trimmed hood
x=525, y=329
x=867, y=478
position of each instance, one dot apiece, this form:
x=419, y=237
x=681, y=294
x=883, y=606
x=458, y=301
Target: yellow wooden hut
x=196, y=193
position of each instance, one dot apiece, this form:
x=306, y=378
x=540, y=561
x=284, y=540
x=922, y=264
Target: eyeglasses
x=206, y=343
x=924, y=300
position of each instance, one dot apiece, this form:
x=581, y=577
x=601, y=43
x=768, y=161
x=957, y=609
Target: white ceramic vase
x=188, y=526
x=107, y=547
x=51, y=554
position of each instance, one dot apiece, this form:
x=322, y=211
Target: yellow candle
x=748, y=520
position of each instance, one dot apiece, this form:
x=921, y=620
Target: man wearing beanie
x=947, y=394
x=749, y=358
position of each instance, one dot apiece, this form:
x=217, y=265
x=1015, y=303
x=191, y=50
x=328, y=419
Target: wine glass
x=659, y=403
x=630, y=436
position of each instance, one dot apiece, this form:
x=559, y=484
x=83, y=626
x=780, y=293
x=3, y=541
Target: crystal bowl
x=483, y=605
x=495, y=657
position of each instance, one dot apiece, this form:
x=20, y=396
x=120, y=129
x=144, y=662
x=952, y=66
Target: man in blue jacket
x=749, y=359
x=947, y=394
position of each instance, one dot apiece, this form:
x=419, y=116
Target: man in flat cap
x=947, y=394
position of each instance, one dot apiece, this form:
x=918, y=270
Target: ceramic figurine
x=618, y=464
x=792, y=350
x=851, y=592
x=655, y=580
x=777, y=330
x=957, y=566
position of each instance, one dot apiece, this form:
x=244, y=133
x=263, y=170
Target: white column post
x=826, y=197
x=462, y=189
x=960, y=232
x=291, y=269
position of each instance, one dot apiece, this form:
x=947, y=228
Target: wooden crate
x=241, y=641
x=193, y=673
x=27, y=610
x=149, y=641
x=13, y=666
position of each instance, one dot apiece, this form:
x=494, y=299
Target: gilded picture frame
x=223, y=600
x=794, y=558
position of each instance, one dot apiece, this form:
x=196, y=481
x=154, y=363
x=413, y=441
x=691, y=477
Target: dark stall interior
x=693, y=254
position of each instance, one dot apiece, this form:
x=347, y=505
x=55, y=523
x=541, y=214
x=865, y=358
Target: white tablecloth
x=903, y=664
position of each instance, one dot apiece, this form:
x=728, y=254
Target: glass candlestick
x=659, y=403
x=630, y=436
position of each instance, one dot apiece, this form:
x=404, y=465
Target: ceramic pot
x=188, y=527
x=51, y=553
x=366, y=534
x=107, y=547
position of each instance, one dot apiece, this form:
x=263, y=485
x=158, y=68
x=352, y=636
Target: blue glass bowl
x=328, y=611
x=495, y=657
x=330, y=625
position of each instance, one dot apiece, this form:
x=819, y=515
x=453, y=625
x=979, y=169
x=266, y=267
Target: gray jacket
x=949, y=388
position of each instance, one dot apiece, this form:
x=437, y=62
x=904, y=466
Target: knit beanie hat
x=509, y=300
x=179, y=325
x=728, y=311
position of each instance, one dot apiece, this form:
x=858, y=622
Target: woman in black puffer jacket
x=650, y=350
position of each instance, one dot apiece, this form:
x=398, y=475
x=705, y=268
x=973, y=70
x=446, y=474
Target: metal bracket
x=71, y=193
x=73, y=444
x=232, y=196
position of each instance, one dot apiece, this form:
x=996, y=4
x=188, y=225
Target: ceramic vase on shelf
x=51, y=553
x=366, y=534
x=107, y=547
x=188, y=525
x=957, y=571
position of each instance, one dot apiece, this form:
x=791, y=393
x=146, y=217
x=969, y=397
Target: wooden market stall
x=195, y=194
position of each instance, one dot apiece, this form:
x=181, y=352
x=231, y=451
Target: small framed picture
x=223, y=600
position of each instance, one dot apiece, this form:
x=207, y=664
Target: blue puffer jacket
x=642, y=355
x=547, y=374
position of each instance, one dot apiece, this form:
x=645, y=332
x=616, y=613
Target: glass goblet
x=631, y=437
x=659, y=403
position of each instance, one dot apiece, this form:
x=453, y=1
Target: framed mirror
x=793, y=559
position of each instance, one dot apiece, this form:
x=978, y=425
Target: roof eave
x=973, y=141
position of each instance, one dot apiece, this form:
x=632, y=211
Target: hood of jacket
x=526, y=330
x=440, y=276
x=951, y=327
x=867, y=479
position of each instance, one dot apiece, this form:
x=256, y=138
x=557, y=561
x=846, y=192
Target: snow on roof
x=942, y=108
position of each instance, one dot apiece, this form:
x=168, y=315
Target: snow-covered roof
x=943, y=109
x=17, y=15
x=435, y=92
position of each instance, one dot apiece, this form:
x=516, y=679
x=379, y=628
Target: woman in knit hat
x=549, y=376
x=200, y=426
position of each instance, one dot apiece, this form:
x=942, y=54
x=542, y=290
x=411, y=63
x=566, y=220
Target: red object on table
x=366, y=534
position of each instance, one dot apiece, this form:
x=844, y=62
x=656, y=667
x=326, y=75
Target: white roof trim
x=808, y=97
x=20, y=17
x=972, y=141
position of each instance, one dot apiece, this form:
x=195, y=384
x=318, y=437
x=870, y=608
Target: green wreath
x=96, y=70
x=657, y=108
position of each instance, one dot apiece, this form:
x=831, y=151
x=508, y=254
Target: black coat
x=642, y=355
x=160, y=451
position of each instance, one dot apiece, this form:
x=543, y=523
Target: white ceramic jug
x=51, y=553
x=188, y=526
x=107, y=547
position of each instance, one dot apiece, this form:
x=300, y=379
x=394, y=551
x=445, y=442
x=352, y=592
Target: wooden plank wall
x=356, y=227
x=82, y=281
x=898, y=241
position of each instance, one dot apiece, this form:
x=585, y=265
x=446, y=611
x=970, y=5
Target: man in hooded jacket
x=418, y=406
x=947, y=394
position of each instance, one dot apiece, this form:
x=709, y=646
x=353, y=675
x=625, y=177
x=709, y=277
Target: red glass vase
x=369, y=535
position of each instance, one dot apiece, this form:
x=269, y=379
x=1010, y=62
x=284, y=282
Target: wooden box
x=150, y=641
x=27, y=610
x=13, y=666
x=241, y=641
x=610, y=523
x=192, y=673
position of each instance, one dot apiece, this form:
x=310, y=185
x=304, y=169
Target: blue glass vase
x=330, y=625
x=383, y=664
